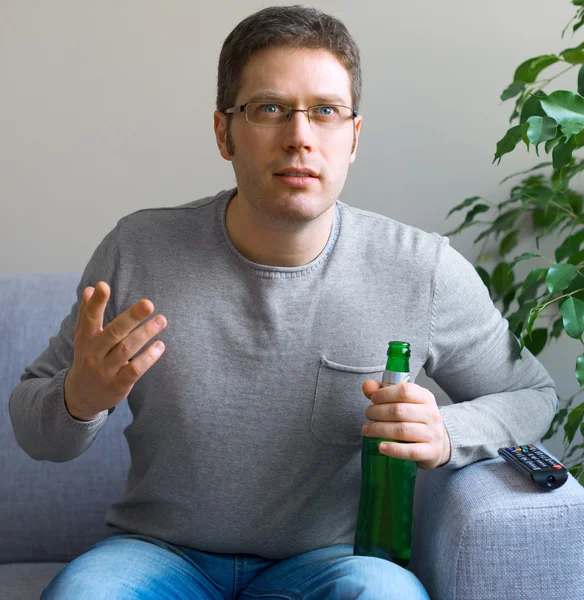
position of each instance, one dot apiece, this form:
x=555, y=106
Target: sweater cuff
x=455, y=458
x=63, y=414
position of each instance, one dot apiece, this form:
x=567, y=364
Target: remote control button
x=557, y=467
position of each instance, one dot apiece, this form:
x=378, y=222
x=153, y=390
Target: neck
x=265, y=241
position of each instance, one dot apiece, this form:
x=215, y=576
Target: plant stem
x=546, y=81
x=560, y=297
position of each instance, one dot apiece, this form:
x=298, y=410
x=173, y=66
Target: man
x=278, y=301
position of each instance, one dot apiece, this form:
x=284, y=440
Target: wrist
x=72, y=407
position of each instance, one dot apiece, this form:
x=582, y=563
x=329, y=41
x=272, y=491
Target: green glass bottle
x=385, y=518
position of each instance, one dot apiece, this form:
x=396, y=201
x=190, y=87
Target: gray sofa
x=480, y=533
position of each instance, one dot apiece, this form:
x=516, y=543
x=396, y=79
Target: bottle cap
x=398, y=349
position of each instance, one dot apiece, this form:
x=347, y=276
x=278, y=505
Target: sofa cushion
x=50, y=511
x=26, y=581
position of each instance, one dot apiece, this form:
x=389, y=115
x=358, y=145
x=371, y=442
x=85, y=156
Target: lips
x=294, y=172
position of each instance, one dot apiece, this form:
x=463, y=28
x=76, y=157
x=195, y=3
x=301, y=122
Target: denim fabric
x=138, y=567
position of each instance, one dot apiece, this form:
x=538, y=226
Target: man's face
x=299, y=78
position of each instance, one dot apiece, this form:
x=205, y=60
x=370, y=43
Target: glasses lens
x=271, y=114
x=263, y=113
x=331, y=116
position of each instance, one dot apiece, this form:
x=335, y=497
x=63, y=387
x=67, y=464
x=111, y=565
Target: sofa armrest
x=484, y=532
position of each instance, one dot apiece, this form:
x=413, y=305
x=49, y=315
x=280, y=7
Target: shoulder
x=173, y=214
x=399, y=239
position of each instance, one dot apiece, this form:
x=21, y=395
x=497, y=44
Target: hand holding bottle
x=407, y=412
x=103, y=371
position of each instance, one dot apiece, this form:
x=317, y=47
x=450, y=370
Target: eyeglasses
x=271, y=114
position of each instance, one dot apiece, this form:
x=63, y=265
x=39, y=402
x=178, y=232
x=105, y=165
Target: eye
x=271, y=108
x=327, y=111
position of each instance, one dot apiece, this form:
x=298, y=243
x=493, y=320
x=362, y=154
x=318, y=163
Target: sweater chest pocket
x=338, y=412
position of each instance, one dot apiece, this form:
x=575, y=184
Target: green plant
x=549, y=300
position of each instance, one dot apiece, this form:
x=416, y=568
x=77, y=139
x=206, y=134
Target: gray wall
x=106, y=108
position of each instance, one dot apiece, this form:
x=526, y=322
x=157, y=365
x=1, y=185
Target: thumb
x=370, y=386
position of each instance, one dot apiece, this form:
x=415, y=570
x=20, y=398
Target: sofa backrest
x=50, y=511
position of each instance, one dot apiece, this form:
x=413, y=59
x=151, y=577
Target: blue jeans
x=139, y=567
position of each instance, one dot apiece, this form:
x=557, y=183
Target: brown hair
x=293, y=26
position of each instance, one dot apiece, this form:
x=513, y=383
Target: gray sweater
x=246, y=434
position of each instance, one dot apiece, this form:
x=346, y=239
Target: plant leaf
x=577, y=258
x=531, y=284
x=507, y=299
x=470, y=215
x=550, y=144
x=581, y=81
x=508, y=142
x=502, y=278
x=574, y=56
x=570, y=245
x=535, y=343
x=572, y=311
x=506, y=220
x=524, y=256
x=517, y=319
x=559, y=277
x=541, y=129
x=508, y=243
x=484, y=275
x=580, y=370
x=567, y=109
x=512, y=90
x=574, y=419
x=528, y=70
x=562, y=155
x=531, y=319
x=532, y=107
x=557, y=328
x=464, y=204
x=539, y=166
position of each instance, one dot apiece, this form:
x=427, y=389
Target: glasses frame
x=243, y=109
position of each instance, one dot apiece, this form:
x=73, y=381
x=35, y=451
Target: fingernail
x=159, y=321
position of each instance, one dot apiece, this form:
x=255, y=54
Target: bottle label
x=394, y=377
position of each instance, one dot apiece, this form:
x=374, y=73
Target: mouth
x=296, y=179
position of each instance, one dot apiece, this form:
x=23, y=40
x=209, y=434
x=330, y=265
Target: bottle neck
x=398, y=364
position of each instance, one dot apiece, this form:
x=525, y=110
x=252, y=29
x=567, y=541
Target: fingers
x=134, y=369
x=123, y=352
x=402, y=431
x=117, y=332
x=370, y=386
x=402, y=392
x=94, y=302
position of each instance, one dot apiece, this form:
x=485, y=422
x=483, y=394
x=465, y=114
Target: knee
x=111, y=568
x=377, y=579
x=81, y=582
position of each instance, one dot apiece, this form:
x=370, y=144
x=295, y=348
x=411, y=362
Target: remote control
x=534, y=463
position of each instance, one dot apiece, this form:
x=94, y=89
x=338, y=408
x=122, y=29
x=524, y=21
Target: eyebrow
x=274, y=95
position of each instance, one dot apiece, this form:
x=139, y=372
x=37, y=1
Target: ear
x=220, y=126
x=358, y=121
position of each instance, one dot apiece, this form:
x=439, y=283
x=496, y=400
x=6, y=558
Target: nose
x=298, y=132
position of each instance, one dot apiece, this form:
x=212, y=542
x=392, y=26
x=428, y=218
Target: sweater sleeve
x=42, y=425
x=499, y=398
